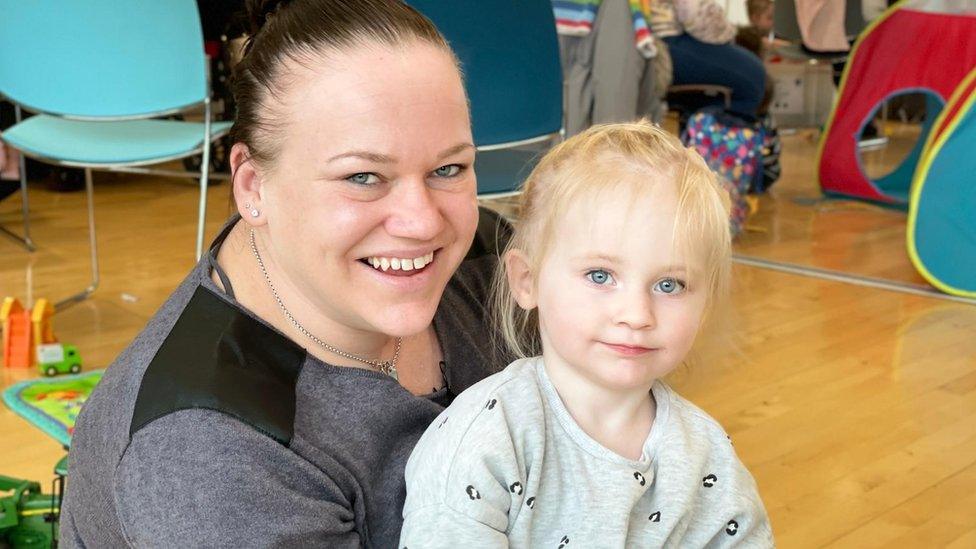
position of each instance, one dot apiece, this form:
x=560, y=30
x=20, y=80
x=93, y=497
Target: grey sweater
x=506, y=465
x=212, y=429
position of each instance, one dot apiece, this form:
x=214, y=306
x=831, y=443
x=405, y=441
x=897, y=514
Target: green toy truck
x=55, y=358
x=28, y=518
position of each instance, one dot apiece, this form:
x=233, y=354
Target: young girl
x=620, y=256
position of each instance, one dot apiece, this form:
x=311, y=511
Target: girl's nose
x=635, y=310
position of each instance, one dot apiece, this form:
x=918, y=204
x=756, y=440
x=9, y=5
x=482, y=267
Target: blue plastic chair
x=509, y=54
x=97, y=72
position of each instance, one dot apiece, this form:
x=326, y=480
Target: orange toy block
x=17, y=349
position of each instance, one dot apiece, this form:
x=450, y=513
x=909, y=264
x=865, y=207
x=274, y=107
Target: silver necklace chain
x=387, y=367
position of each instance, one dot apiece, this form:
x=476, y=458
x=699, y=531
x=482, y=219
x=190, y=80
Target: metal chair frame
x=128, y=167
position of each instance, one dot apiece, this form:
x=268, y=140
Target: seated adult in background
x=699, y=38
x=274, y=398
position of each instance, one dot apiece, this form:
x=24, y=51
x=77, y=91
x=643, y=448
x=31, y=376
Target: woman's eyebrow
x=365, y=155
x=380, y=158
x=454, y=150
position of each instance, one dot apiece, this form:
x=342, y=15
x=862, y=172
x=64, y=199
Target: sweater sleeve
x=736, y=517
x=199, y=478
x=729, y=511
x=464, y=478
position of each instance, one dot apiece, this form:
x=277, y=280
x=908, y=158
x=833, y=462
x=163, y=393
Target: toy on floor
x=55, y=358
x=52, y=404
x=28, y=339
x=28, y=517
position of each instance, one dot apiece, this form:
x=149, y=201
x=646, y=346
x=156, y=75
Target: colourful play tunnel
x=916, y=46
x=942, y=212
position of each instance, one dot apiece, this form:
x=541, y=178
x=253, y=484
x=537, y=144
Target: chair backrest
x=510, y=57
x=102, y=58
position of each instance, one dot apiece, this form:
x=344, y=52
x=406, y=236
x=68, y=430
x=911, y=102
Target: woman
x=275, y=397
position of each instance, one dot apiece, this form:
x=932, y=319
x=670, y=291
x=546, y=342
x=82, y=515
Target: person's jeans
x=696, y=62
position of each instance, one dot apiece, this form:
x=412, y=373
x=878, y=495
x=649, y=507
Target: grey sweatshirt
x=506, y=465
x=212, y=429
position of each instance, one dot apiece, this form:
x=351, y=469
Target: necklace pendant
x=389, y=369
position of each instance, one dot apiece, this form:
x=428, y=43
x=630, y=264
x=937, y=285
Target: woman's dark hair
x=299, y=30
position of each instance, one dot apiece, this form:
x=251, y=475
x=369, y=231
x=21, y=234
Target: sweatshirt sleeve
x=737, y=518
x=464, y=478
x=729, y=510
x=199, y=478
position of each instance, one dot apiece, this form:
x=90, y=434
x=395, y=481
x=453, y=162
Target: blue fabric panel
x=102, y=57
x=99, y=143
x=945, y=226
x=510, y=57
x=503, y=171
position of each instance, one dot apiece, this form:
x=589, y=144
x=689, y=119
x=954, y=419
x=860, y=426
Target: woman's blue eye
x=364, y=178
x=599, y=276
x=448, y=171
x=669, y=286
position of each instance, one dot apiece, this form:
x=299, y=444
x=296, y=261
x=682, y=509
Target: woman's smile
x=401, y=265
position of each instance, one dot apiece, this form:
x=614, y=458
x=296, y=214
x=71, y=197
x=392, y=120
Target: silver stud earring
x=255, y=213
x=247, y=205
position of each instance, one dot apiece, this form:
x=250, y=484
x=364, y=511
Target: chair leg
x=93, y=245
x=204, y=175
x=25, y=240
x=202, y=215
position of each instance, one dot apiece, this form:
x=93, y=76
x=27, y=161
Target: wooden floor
x=855, y=408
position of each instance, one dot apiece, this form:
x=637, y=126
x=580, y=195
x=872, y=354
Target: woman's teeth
x=397, y=264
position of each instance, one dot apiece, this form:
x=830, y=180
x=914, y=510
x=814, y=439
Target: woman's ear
x=520, y=278
x=247, y=184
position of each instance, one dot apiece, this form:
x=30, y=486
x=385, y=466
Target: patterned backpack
x=732, y=146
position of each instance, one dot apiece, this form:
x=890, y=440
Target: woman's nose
x=414, y=212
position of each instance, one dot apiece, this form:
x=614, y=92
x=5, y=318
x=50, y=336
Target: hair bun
x=259, y=12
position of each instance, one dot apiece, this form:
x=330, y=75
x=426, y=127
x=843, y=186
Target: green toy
x=28, y=518
x=55, y=358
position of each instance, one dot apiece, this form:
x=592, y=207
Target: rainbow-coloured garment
x=576, y=17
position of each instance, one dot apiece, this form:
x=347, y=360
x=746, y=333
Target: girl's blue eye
x=669, y=286
x=448, y=171
x=364, y=178
x=599, y=276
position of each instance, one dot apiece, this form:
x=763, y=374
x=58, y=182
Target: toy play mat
x=52, y=404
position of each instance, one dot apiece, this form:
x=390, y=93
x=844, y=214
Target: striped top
x=576, y=17
x=664, y=19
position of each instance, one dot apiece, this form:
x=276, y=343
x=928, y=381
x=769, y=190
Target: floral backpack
x=732, y=146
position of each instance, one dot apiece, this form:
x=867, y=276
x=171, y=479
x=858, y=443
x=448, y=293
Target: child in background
x=621, y=254
x=760, y=15
x=758, y=37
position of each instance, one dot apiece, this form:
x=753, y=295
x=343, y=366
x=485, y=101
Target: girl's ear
x=247, y=186
x=520, y=279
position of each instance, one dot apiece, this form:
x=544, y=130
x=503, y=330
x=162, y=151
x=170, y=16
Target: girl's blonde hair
x=615, y=158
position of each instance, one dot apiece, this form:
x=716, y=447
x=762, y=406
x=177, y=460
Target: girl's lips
x=628, y=350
